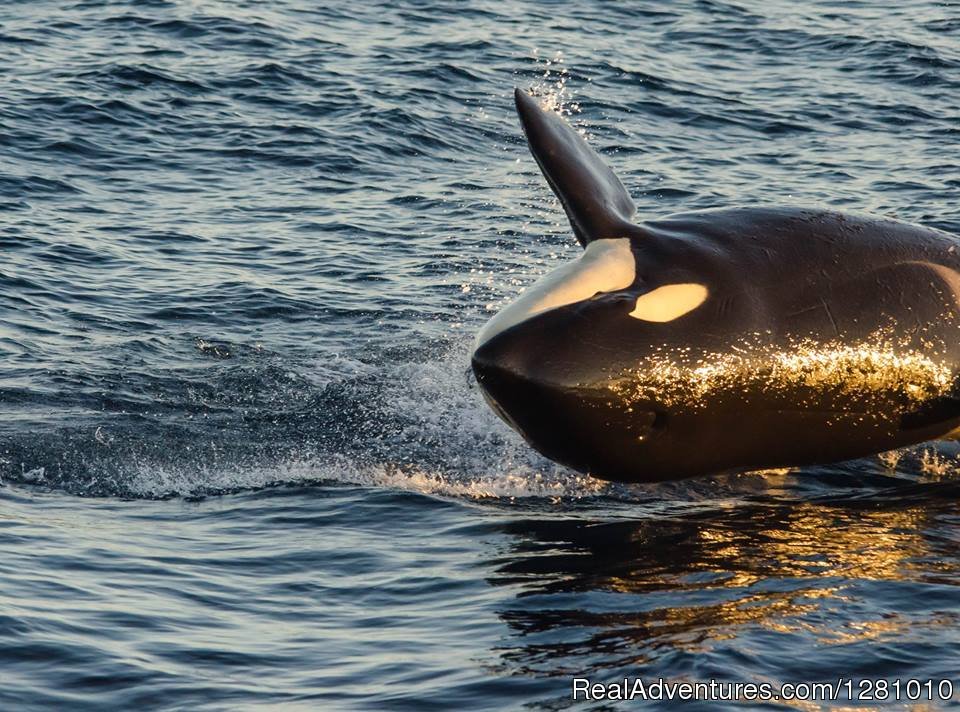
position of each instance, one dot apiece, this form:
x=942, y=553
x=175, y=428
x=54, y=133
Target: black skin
x=774, y=275
x=782, y=273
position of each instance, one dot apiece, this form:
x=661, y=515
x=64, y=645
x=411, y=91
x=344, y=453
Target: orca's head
x=546, y=362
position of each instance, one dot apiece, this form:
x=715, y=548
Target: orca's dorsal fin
x=594, y=199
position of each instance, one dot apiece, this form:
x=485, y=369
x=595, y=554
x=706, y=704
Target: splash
x=509, y=480
x=890, y=459
x=156, y=481
x=414, y=423
x=936, y=466
x=552, y=86
x=518, y=483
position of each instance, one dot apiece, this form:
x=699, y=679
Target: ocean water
x=246, y=246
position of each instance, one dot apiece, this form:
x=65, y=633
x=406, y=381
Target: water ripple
x=247, y=246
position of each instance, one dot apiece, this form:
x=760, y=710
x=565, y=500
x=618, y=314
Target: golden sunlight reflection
x=688, y=584
x=876, y=371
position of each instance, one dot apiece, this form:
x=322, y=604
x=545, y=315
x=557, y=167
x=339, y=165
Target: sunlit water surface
x=246, y=246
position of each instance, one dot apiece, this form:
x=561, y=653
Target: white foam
x=451, y=445
x=513, y=478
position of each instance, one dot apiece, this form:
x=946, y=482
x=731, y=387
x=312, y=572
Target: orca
x=721, y=340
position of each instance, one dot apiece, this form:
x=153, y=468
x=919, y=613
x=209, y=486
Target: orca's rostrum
x=718, y=340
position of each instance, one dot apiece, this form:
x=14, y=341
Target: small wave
x=159, y=482
x=410, y=424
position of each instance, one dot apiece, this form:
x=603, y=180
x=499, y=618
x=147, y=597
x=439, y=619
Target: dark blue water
x=245, y=248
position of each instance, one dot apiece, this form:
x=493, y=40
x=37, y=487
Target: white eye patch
x=604, y=266
x=669, y=302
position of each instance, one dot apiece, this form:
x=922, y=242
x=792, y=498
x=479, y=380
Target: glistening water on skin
x=721, y=340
